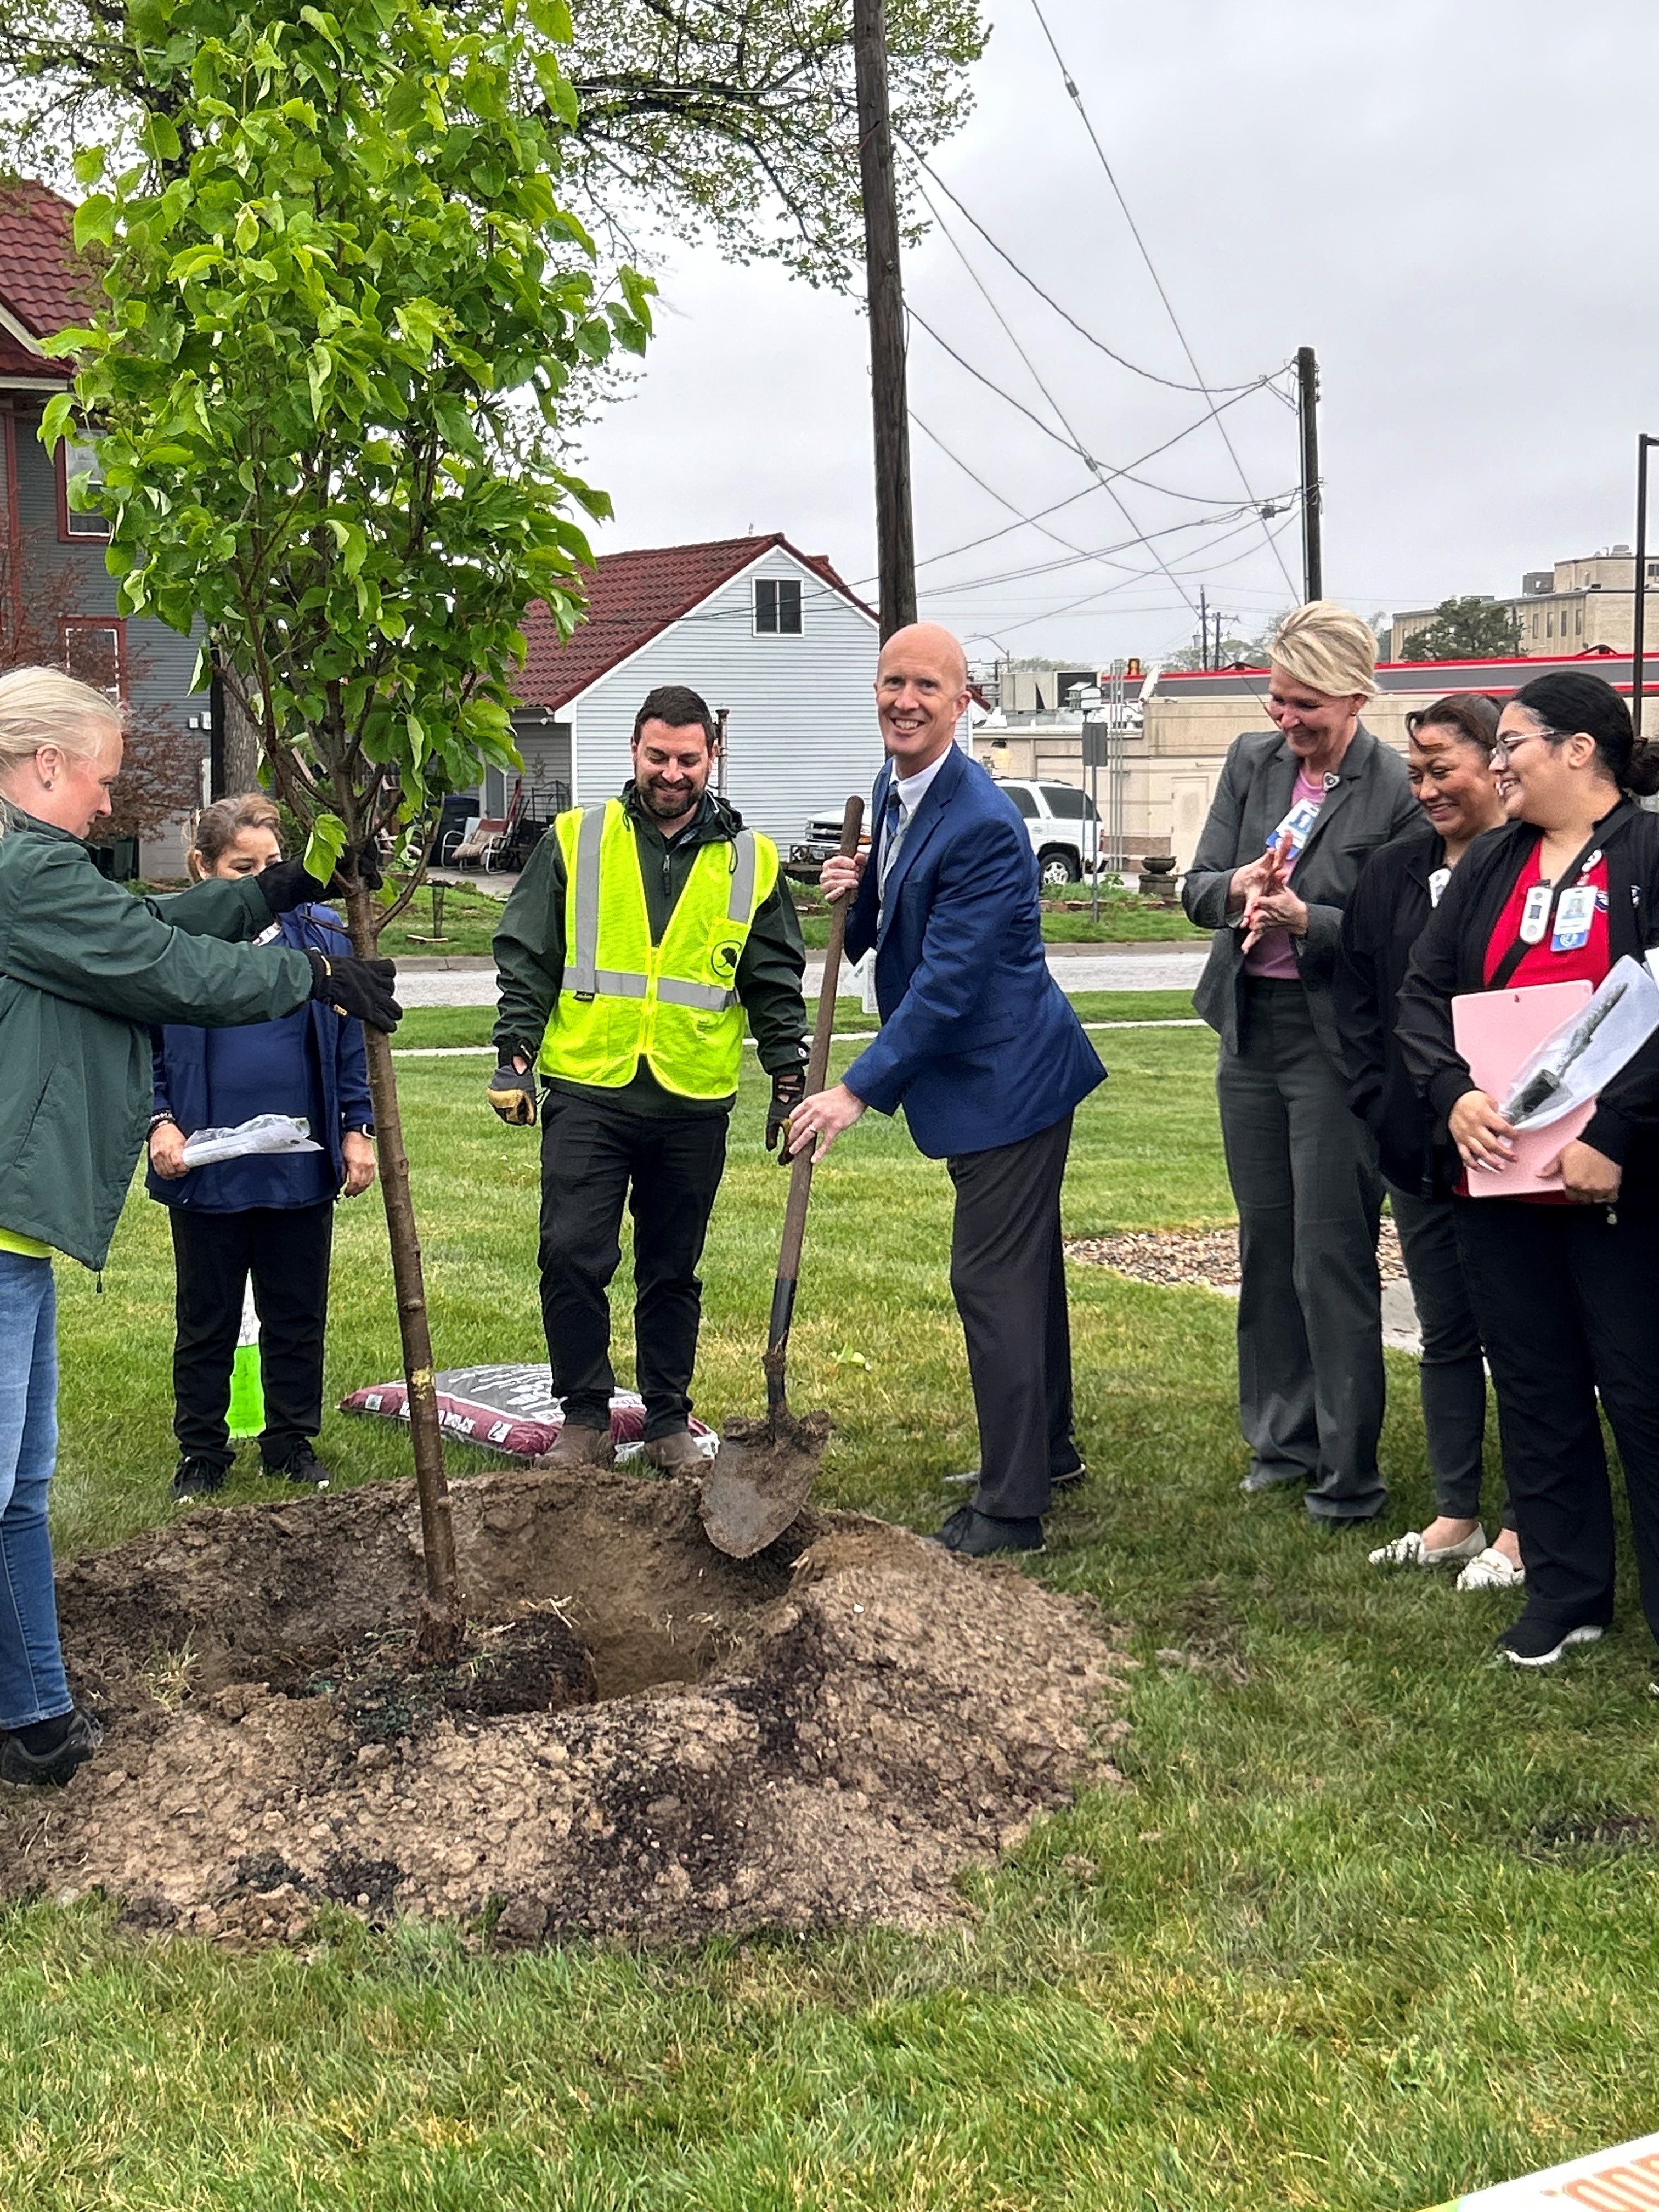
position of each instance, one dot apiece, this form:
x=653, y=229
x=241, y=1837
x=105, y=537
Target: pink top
x=1271, y=956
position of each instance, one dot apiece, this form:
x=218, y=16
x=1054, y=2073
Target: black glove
x=788, y=1089
x=513, y=1094
x=361, y=989
x=287, y=883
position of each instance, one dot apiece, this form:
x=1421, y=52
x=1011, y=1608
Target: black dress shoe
x=978, y=1535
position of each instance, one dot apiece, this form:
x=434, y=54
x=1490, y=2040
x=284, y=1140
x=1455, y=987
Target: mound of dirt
x=1206, y=1258
x=643, y=1736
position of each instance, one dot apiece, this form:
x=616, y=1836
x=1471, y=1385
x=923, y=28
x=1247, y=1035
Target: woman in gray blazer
x=1295, y=813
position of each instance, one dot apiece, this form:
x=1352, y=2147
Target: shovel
x=764, y=1469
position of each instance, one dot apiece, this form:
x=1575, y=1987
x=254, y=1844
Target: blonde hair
x=43, y=706
x=219, y=826
x=1330, y=649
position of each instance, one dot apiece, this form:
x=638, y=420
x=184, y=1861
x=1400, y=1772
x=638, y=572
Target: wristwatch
x=360, y=1129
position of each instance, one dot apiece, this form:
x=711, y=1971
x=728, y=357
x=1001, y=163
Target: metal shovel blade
x=760, y=1479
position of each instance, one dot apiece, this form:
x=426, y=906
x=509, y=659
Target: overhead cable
x=1267, y=382
x=1076, y=97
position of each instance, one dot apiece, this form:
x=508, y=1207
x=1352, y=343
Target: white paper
x=1580, y=1057
x=265, y=1133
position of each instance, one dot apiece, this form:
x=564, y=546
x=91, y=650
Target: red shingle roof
x=634, y=597
x=42, y=283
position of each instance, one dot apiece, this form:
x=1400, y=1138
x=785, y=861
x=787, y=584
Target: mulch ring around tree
x=644, y=1737
x=1206, y=1259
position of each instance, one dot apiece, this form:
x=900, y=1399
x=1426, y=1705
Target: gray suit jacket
x=1370, y=802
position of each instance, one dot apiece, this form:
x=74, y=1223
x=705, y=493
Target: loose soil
x=1207, y=1258
x=643, y=1737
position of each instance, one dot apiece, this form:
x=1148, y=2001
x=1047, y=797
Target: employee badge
x=1534, y=914
x=1572, y=919
x=1437, y=882
x=1297, y=826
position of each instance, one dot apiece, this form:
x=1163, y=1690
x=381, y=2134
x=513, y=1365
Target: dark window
x=777, y=606
x=1069, y=805
x=1023, y=801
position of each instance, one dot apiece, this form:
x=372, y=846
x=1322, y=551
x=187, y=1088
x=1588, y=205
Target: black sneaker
x=978, y=1535
x=301, y=1465
x=198, y=1478
x=1534, y=1640
x=50, y=1768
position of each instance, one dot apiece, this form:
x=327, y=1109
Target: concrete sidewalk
x=1076, y=967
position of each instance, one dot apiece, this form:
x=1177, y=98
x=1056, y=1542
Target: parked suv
x=1062, y=825
x=1060, y=820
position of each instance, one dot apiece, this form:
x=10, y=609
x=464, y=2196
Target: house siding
x=801, y=726
x=159, y=662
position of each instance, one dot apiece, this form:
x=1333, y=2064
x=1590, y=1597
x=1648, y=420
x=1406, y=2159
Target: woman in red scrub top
x=1562, y=1284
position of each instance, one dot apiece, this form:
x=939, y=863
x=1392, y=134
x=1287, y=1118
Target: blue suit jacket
x=979, y=1044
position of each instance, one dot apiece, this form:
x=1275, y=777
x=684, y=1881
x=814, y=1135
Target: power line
x=1174, y=384
x=1272, y=537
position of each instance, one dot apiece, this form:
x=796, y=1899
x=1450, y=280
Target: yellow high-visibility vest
x=625, y=999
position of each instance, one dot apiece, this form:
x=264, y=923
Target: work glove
x=288, y=883
x=788, y=1089
x=361, y=989
x=512, y=1092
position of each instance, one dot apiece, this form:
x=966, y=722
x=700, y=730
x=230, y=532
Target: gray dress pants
x=1304, y=1174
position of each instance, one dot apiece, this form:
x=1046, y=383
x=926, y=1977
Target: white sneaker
x=1492, y=1569
x=1407, y=1551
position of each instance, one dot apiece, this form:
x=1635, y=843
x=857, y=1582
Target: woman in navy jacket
x=269, y=1215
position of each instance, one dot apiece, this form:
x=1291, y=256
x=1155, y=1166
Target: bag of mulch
x=509, y=1408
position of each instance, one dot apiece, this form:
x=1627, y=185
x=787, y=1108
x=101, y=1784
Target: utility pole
x=1313, y=559
x=895, y=545
x=1645, y=446
x=1203, y=629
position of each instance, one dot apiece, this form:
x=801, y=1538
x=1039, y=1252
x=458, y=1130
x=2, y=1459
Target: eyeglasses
x=1502, y=748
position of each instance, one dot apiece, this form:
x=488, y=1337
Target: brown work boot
x=676, y=1454
x=575, y=1448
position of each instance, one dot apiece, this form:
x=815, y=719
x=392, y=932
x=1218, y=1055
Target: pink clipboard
x=1495, y=1031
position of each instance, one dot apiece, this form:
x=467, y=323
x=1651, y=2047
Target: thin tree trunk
x=241, y=748
x=443, y=1621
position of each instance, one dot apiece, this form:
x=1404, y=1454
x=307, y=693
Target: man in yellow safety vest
x=639, y=936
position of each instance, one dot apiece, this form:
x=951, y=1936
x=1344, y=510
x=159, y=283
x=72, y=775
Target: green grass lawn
x=1371, y=1922
x=1124, y=919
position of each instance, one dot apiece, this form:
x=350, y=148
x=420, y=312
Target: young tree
x=1467, y=630
x=735, y=118
x=338, y=280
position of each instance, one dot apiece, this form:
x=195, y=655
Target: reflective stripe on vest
x=687, y=1023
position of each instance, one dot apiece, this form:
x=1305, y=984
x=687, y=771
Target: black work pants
x=1452, y=1371
x=1008, y=1278
x=1564, y=1300
x=668, y=1168
x=286, y=1250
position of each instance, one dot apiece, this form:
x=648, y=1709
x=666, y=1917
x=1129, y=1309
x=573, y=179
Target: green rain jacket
x=85, y=969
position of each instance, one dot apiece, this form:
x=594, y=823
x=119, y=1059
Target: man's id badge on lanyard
x=1573, y=917
x=1297, y=826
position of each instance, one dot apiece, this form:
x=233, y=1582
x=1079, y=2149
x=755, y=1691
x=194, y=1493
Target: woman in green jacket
x=85, y=970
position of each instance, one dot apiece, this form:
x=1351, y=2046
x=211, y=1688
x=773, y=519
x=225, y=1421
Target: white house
x=771, y=637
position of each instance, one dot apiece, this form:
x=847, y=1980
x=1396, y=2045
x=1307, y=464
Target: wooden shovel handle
x=818, y=1069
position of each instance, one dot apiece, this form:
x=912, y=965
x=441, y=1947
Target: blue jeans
x=32, y=1685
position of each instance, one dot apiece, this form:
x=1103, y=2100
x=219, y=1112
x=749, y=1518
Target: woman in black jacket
x=1563, y=1283
x=1400, y=887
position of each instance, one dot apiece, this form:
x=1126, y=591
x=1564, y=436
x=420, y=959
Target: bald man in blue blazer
x=981, y=1047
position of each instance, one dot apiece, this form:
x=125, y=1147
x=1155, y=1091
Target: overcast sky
x=1451, y=200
